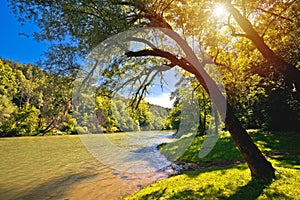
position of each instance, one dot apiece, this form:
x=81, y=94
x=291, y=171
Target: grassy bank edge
x=234, y=181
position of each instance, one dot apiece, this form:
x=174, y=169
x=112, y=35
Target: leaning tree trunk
x=260, y=168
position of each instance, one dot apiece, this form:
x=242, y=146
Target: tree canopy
x=254, y=43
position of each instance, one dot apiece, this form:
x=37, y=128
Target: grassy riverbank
x=221, y=178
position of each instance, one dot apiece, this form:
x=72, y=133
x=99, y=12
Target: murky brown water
x=60, y=167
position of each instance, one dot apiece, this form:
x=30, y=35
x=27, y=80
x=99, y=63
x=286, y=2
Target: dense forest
x=36, y=102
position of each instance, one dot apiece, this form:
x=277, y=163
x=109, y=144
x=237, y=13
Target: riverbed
x=62, y=167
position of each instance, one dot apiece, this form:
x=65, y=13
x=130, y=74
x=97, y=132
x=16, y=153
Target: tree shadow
x=187, y=195
x=288, y=161
x=222, y=169
x=184, y=195
x=154, y=195
x=280, y=146
x=284, y=142
x=250, y=191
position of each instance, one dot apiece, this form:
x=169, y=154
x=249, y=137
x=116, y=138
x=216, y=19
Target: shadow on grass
x=250, y=191
x=154, y=195
x=280, y=146
x=278, y=141
x=187, y=194
x=221, y=169
x=289, y=161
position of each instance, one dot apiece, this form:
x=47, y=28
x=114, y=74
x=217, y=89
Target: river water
x=61, y=167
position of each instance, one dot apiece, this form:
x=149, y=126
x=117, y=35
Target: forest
x=35, y=102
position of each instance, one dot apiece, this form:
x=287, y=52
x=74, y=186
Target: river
x=61, y=167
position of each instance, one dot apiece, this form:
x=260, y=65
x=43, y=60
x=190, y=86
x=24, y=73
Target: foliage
x=6, y=109
x=251, y=82
x=203, y=105
x=116, y=114
x=35, y=102
x=32, y=100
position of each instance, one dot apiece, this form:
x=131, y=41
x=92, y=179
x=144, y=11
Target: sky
x=15, y=46
x=162, y=99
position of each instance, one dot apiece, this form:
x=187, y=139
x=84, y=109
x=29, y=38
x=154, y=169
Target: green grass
x=225, y=150
x=282, y=148
x=233, y=182
x=224, y=183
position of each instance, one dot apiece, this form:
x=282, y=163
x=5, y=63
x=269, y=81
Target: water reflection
x=129, y=152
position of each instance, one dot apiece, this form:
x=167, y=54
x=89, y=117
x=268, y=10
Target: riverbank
x=223, y=175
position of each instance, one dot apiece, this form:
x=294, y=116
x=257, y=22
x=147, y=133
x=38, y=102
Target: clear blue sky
x=13, y=45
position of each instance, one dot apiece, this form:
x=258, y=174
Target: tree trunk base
x=259, y=166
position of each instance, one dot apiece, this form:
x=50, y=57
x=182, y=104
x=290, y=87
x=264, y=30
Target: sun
x=219, y=11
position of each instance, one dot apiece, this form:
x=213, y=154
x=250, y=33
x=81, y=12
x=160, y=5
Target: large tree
x=288, y=70
x=76, y=27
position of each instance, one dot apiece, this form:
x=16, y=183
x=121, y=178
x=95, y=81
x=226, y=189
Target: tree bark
x=259, y=166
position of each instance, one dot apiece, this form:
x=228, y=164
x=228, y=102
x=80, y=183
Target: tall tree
x=289, y=71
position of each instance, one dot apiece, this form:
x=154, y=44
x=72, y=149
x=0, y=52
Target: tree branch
x=141, y=40
x=163, y=54
x=277, y=15
x=182, y=62
x=290, y=72
x=166, y=7
x=233, y=32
